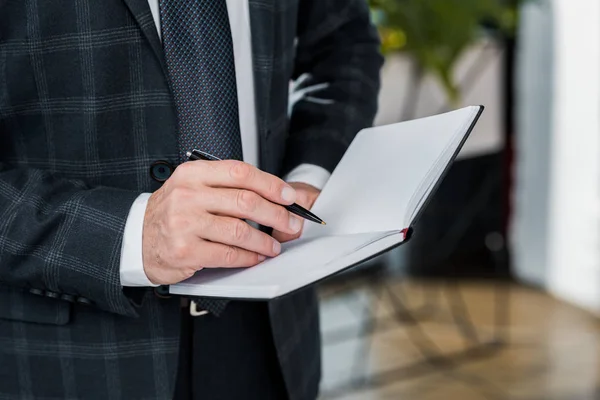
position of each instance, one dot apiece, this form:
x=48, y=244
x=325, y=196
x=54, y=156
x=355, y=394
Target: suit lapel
x=261, y=24
x=143, y=16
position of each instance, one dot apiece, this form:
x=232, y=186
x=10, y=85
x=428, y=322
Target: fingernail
x=295, y=224
x=261, y=258
x=288, y=194
x=276, y=247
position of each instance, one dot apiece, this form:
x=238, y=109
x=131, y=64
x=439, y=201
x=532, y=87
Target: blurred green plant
x=436, y=32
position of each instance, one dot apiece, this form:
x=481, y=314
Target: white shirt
x=131, y=266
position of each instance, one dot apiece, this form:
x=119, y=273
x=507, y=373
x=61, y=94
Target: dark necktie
x=199, y=55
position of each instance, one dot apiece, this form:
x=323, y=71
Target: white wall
x=556, y=224
x=534, y=99
x=574, y=261
x=481, y=87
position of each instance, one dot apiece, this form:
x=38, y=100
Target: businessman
x=99, y=102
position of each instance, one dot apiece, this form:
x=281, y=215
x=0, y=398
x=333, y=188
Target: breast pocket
x=20, y=305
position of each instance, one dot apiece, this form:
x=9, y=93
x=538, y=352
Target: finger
x=283, y=237
x=218, y=255
x=248, y=205
x=240, y=175
x=235, y=232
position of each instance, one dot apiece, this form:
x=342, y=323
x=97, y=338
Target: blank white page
x=301, y=263
x=384, y=167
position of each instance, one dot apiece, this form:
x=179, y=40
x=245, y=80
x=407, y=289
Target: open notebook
x=370, y=202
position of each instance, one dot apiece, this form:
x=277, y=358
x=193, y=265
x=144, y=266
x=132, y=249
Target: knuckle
x=246, y=201
x=267, y=245
x=240, y=171
x=188, y=272
x=172, y=224
x=241, y=231
x=179, y=193
x=282, y=217
x=231, y=255
x=174, y=221
x=176, y=205
x=183, y=170
x=275, y=188
x=179, y=251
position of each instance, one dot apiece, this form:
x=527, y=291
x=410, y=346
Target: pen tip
x=187, y=154
x=323, y=223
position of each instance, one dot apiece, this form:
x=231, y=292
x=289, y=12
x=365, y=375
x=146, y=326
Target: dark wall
x=449, y=238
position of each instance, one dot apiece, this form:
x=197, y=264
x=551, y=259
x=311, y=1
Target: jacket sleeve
x=337, y=45
x=63, y=236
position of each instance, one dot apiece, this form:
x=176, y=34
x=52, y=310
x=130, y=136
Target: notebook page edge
x=415, y=207
x=195, y=288
x=347, y=258
x=435, y=171
x=199, y=289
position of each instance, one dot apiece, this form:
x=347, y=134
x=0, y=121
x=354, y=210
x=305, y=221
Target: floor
x=467, y=341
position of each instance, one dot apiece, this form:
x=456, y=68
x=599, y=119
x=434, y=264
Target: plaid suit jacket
x=85, y=112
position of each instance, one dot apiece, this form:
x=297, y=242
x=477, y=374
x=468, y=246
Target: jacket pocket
x=20, y=305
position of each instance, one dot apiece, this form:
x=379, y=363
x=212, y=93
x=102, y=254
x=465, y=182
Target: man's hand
x=306, y=195
x=196, y=219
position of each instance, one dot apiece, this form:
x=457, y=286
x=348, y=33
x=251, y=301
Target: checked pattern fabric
x=199, y=53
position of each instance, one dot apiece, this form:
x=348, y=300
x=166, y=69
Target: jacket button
x=83, y=300
x=160, y=171
x=162, y=292
x=67, y=297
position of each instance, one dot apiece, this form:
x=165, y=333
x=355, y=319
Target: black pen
x=294, y=208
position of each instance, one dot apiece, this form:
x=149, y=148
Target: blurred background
x=497, y=295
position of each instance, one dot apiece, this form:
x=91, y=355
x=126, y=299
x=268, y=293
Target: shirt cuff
x=310, y=174
x=132, y=264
